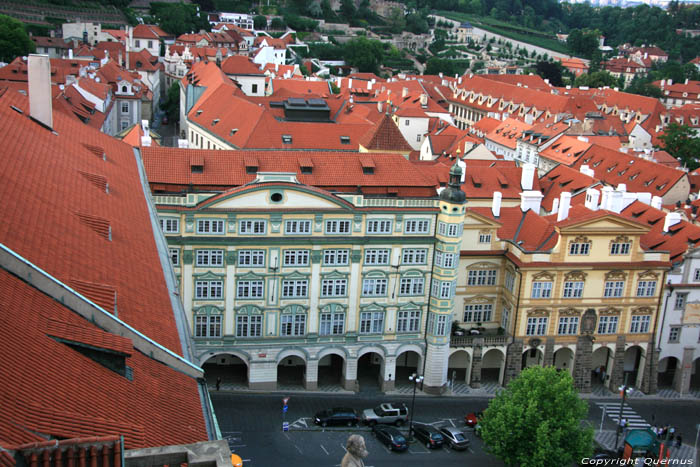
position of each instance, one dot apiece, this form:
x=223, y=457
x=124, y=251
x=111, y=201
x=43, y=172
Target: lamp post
x=624, y=390
x=416, y=380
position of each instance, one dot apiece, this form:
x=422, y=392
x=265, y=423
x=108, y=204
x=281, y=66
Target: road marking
x=231, y=432
x=452, y=423
x=470, y=450
x=236, y=445
x=324, y=450
x=298, y=449
x=341, y=445
x=285, y=434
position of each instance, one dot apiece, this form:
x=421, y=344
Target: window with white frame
x=505, y=315
x=297, y=227
x=441, y=325
x=169, y=224
x=414, y=255
x=477, y=277
x=209, y=257
x=411, y=286
x=205, y=226
x=337, y=227
x=408, y=321
x=568, y=325
x=416, y=226
x=252, y=227
x=573, y=289
x=125, y=107
x=541, y=289
x=579, y=248
x=620, y=248
x=375, y=257
x=454, y=230
x=293, y=324
x=478, y=313
x=372, y=287
x=696, y=275
x=607, y=324
x=174, y=256
x=442, y=228
x=336, y=257
x=207, y=326
x=208, y=289
x=510, y=281
x=613, y=288
x=446, y=260
x=484, y=238
x=640, y=324
x=250, y=289
x=376, y=226
x=333, y=287
x=251, y=258
x=679, y=303
x=296, y=258
x=248, y=325
x=371, y=322
x=674, y=334
x=295, y=288
x=536, y=326
x=646, y=288
x=443, y=289
x=331, y=324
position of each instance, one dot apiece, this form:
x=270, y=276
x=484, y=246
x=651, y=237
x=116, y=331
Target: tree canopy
x=679, y=141
x=537, y=421
x=551, y=71
x=365, y=54
x=14, y=40
x=179, y=18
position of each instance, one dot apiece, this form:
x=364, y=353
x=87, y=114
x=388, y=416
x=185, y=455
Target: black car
x=391, y=437
x=337, y=416
x=428, y=435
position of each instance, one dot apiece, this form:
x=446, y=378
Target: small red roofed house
x=246, y=73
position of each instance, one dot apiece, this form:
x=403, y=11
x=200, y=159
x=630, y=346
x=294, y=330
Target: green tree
x=259, y=22
x=179, y=18
x=14, y=40
x=171, y=105
x=396, y=21
x=537, y=421
x=643, y=87
x=277, y=23
x=681, y=142
x=583, y=42
x=365, y=54
x=347, y=8
x=597, y=79
x=551, y=71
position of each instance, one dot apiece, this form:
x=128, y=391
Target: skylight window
x=287, y=139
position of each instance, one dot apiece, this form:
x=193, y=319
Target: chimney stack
x=530, y=199
x=349, y=83
x=40, y=106
x=564, y=205
x=615, y=201
x=555, y=206
x=527, y=176
x=404, y=92
x=672, y=218
x=592, y=197
x=586, y=170
x=656, y=202
x=496, y=206
x=644, y=198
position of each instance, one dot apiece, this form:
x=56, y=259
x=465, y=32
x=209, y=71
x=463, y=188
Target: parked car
x=428, y=435
x=395, y=414
x=455, y=438
x=472, y=418
x=391, y=437
x=337, y=416
x=236, y=460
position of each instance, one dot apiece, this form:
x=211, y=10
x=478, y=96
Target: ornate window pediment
x=621, y=239
x=295, y=308
x=410, y=306
x=621, y=275
x=538, y=312
x=373, y=307
x=609, y=310
x=575, y=276
x=581, y=239
x=482, y=265
x=208, y=310
x=543, y=276
x=649, y=275
x=480, y=299
x=249, y=309
x=570, y=311
x=333, y=308
x=642, y=310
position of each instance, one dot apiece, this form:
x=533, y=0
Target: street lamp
x=624, y=391
x=416, y=380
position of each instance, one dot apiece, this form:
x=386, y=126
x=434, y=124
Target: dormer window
x=251, y=164
x=124, y=89
x=344, y=140
x=287, y=139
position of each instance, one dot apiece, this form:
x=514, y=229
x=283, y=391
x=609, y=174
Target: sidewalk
x=606, y=439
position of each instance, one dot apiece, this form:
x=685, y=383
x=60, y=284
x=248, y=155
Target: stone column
x=650, y=378
x=388, y=374
x=476, y=363
x=350, y=374
x=311, y=380
x=548, y=352
x=263, y=376
x=514, y=361
x=583, y=361
x=618, y=371
x=685, y=371
x=435, y=375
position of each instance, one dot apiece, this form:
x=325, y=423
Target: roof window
x=287, y=139
x=344, y=140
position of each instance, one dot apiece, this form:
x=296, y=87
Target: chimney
x=404, y=92
x=340, y=83
x=644, y=198
x=564, y=205
x=622, y=187
x=424, y=100
x=555, y=206
x=40, y=107
x=672, y=218
x=440, y=75
x=527, y=176
x=669, y=82
x=530, y=199
x=369, y=85
x=379, y=106
x=663, y=83
x=496, y=206
x=615, y=201
x=582, y=138
x=686, y=81
x=586, y=170
x=121, y=58
x=182, y=143
x=627, y=199
x=605, y=198
x=592, y=197
x=145, y=141
x=70, y=54
x=656, y=202
x=349, y=83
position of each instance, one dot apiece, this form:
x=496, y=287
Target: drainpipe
x=430, y=291
x=656, y=322
x=515, y=315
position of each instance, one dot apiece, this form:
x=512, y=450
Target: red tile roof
x=300, y=87
x=563, y=179
x=530, y=231
x=149, y=31
x=529, y=81
x=566, y=150
x=240, y=65
x=508, y=132
x=385, y=136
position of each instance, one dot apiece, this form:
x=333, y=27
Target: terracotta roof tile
x=386, y=136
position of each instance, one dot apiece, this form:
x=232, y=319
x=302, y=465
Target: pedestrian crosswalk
x=612, y=410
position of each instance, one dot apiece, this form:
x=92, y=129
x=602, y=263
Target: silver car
x=395, y=414
x=455, y=438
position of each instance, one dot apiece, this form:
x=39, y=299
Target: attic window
x=198, y=113
x=344, y=140
x=287, y=139
x=367, y=164
x=233, y=131
x=306, y=165
x=251, y=164
x=611, y=168
x=633, y=176
x=215, y=121
x=649, y=182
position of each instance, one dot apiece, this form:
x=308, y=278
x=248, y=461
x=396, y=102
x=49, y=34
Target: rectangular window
x=579, y=248
x=696, y=275
x=150, y=44
x=294, y=288
x=137, y=43
x=484, y=238
x=208, y=290
x=297, y=227
x=445, y=289
x=252, y=227
x=613, y=288
x=249, y=326
x=568, y=325
x=374, y=287
x=674, y=334
x=442, y=228
x=414, y=255
x=441, y=327
x=337, y=227
x=541, y=289
x=210, y=257
x=250, y=289
x=573, y=289
x=371, y=322
x=481, y=277
x=477, y=313
x=174, y=256
x=376, y=257
x=680, y=301
x=296, y=258
x=504, y=317
x=510, y=281
x=378, y=227
x=205, y=226
x=640, y=324
x=607, y=324
x=125, y=107
x=620, y=249
x=454, y=230
x=251, y=258
x=536, y=326
x=331, y=324
x=646, y=288
x=333, y=287
x=445, y=260
x=169, y=224
x=411, y=286
x=408, y=321
x=293, y=325
x=416, y=226
x=207, y=326
x=336, y=257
